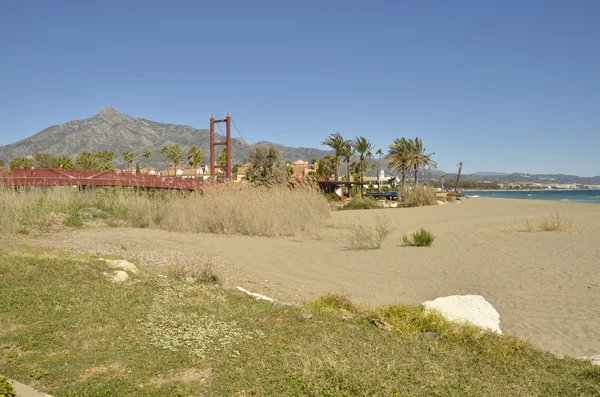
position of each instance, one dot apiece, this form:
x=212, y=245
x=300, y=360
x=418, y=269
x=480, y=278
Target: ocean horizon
x=575, y=196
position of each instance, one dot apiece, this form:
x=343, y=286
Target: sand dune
x=546, y=286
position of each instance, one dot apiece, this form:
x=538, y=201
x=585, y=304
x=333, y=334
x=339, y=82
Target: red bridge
x=58, y=177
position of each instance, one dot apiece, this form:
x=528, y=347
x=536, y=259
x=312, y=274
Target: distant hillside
x=113, y=131
x=117, y=132
x=532, y=178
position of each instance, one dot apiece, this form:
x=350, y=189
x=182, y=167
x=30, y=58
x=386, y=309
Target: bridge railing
x=61, y=177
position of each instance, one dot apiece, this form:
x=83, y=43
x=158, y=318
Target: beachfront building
x=149, y=171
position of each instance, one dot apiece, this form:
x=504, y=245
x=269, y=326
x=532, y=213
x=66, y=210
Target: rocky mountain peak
x=109, y=111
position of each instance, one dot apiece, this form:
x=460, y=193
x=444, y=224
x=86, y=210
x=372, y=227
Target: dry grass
x=363, y=238
x=552, y=223
x=419, y=196
x=195, y=273
x=221, y=209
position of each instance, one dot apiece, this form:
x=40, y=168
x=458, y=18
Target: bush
x=361, y=204
x=552, y=223
x=418, y=196
x=362, y=238
x=419, y=238
x=333, y=302
x=202, y=274
x=6, y=389
x=73, y=220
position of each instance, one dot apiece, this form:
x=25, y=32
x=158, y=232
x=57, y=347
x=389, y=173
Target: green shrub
x=74, y=220
x=331, y=197
x=419, y=195
x=419, y=238
x=332, y=302
x=361, y=204
x=363, y=238
x=6, y=389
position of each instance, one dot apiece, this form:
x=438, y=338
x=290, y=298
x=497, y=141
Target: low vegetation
x=69, y=331
x=418, y=238
x=365, y=238
x=6, y=389
x=552, y=223
x=222, y=209
x=419, y=195
x=333, y=303
x=193, y=272
x=361, y=204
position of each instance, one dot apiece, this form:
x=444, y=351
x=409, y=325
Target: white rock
x=121, y=264
x=595, y=360
x=260, y=297
x=440, y=202
x=119, y=276
x=473, y=309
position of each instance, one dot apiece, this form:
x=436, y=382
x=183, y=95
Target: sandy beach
x=546, y=286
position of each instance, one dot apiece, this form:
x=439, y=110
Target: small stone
x=121, y=265
x=119, y=276
x=383, y=325
x=347, y=317
x=306, y=315
x=430, y=336
x=594, y=360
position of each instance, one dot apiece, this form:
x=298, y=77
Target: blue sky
x=510, y=86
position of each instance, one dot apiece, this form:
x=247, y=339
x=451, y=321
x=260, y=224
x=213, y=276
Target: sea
x=576, y=196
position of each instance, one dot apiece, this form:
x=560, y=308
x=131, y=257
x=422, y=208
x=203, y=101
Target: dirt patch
x=188, y=375
x=98, y=370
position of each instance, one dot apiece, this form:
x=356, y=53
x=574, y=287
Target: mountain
x=488, y=173
x=531, y=178
x=117, y=132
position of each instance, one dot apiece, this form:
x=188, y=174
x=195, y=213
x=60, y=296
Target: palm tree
x=419, y=159
x=172, y=154
x=195, y=156
x=379, y=152
x=128, y=157
x=106, y=158
x=347, y=153
x=362, y=146
x=338, y=144
x=399, y=157
x=147, y=154
x=460, y=167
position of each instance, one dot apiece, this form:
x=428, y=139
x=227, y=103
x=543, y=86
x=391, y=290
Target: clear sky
x=509, y=86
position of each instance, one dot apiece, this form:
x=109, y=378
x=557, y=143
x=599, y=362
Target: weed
x=6, y=389
x=73, y=220
x=419, y=195
x=203, y=274
x=419, y=238
x=332, y=302
x=363, y=238
x=23, y=231
x=552, y=223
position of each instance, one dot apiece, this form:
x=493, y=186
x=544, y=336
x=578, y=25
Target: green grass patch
x=74, y=220
x=361, y=204
x=418, y=238
x=6, y=389
x=69, y=331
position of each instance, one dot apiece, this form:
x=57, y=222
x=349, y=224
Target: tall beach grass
x=221, y=209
